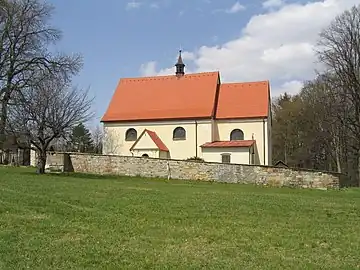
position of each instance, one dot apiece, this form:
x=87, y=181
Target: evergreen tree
x=81, y=140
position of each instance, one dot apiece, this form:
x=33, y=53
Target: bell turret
x=180, y=66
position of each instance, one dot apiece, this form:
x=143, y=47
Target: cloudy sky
x=246, y=40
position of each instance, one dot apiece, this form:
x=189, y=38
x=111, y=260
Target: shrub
x=197, y=159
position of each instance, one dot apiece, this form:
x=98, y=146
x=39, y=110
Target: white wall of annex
x=145, y=142
x=153, y=153
x=253, y=129
x=238, y=155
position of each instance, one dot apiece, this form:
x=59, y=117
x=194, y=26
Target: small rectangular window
x=225, y=158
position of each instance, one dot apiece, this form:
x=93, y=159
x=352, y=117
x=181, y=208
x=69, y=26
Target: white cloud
x=188, y=56
x=133, y=5
x=273, y=3
x=290, y=87
x=276, y=46
x=236, y=8
x=148, y=69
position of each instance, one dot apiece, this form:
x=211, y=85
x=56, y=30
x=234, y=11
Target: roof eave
x=250, y=143
x=242, y=118
x=237, y=146
x=155, y=119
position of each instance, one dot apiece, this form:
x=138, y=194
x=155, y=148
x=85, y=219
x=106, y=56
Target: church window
x=236, y=135
x=131, y=135
x=179, y=133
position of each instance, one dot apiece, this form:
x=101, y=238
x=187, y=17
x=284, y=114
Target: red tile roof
x=164, y=97
x=245, y=143
x=192, y=96
x=158, y=142
x=243, y=100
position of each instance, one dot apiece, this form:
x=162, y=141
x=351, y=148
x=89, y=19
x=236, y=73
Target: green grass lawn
x=94, y=222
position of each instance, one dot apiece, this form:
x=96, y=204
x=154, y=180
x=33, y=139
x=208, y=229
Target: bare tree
x=340, y=52
x=25, y=34
x=110, y=143
x=97, y=136
x=50, y=110
x=322, y=108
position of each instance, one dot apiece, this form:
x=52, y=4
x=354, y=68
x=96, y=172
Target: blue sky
x=118, y=37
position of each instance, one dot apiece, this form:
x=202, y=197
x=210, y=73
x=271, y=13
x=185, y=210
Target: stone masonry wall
x=190, y=170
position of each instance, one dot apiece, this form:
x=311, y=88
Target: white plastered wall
x=197, y=133
x=238, y=155
x=146, y=146
x=145, y=142
x=256, y=129
x=269, y=137
x=203, y=130
x=153, y=153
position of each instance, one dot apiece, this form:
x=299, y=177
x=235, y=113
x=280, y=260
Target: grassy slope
x=57, y=222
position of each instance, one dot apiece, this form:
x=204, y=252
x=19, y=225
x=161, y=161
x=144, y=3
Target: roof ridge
x=149, y=131
x=246, y=82
x=170, y=76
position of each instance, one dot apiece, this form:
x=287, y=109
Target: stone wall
x=192, y=170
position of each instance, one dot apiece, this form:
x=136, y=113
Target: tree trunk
x=41, y=162
x=3, y=118
x=338, y=151
x=338, y=162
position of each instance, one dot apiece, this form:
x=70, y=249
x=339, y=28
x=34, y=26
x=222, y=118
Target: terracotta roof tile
x=218, y=144
x=243, y=100
x=159, y=143
x=164, y=97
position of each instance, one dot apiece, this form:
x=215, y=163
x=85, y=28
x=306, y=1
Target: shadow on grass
x=89, y=176
x=73, y=175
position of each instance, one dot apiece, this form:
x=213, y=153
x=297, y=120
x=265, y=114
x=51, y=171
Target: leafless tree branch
x=25, y=34
x=50, y=109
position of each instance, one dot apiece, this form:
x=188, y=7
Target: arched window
x=179, y=133
x=236, y=135
x=145, y=155
x=131, y=135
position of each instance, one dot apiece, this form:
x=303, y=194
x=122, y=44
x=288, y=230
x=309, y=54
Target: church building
x=184, y=116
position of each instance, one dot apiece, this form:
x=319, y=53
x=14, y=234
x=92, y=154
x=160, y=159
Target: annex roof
x=155, y=138
x=224, y=144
